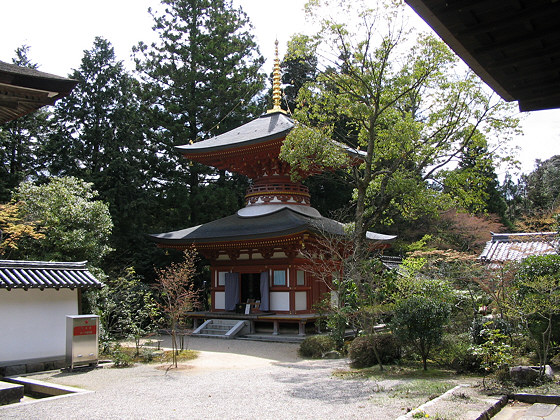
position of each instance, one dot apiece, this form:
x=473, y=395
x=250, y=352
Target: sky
x=59, y=31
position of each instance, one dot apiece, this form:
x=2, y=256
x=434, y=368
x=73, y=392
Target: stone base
x=23, y=367
x=10, y=393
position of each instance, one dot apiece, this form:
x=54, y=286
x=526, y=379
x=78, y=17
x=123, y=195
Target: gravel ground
x=231, y=379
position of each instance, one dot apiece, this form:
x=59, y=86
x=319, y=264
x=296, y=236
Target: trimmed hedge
x=361, y=354
x=315, y=346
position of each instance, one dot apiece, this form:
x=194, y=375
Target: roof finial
x=276, y=92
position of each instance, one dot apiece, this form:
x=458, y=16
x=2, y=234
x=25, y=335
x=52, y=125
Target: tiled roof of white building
x=516, y=246
x=46, y=275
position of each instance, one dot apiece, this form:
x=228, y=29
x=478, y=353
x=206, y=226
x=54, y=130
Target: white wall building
x=35, y=298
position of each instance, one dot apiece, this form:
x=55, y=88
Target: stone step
x=219, y=327
x=10, y=393
x=213, y=332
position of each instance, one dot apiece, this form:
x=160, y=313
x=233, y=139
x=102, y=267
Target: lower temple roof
x=287, y=220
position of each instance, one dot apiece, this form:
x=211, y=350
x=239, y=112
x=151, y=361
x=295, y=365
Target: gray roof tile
x=516, y=246
x=46, y=275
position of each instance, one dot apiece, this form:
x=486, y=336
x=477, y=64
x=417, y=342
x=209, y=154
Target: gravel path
x=231, y=379
x=236, y=380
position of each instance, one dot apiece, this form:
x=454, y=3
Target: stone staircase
x=223, y=328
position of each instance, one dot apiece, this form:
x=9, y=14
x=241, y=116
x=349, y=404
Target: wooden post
x=301, y=328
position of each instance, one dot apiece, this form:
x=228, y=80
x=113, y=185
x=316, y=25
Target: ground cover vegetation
x=426, y=133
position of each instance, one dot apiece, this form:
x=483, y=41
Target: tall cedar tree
x=400, y=104
x=199, y=79
x=100, y=130
x=20, y=140
x=474, y=182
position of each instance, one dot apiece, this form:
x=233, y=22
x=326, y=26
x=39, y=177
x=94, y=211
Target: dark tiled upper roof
x=267, y=127
x=516, y=246
x=46, y=275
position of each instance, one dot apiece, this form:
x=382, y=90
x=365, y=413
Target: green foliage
x=474, y=182
x=102, y=131
x=121, y=358
x=316, y=345
x=419, y=321
x=126, y=306
x=76, y=226
x=299, y=67
x=535, y=301
x=493, y=351
x=361, y=350
x=397, y=101
x=199, y=79
x=543, y=185
x=455, y=351
x=480, y=328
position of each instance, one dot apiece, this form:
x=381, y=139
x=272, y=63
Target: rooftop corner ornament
x=276, y=92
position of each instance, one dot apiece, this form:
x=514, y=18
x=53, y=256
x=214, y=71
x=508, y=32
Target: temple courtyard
x=237, y=379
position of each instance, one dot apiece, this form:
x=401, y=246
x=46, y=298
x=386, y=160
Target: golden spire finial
x=276, y=92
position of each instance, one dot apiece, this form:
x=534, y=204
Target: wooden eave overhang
x=24, y=90
x=513, y=45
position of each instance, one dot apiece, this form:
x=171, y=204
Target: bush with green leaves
x=535, y=302
x=75, y=223
x=481, y=325
x=315, y=346
x=361, y=350
x=419, y=321
x=127, y=308
x=494, y=352
x=455, y=352
x=120, y=357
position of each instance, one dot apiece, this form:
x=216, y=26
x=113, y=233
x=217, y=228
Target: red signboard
x=85, y=330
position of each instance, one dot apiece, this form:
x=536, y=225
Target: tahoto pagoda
x=256, y=254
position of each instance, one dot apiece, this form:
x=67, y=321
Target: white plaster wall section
x=301, y=301
x=220, y=300
x=279, y=301
x=33, y=322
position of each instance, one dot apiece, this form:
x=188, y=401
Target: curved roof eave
x=283, y=222
x=265, y=128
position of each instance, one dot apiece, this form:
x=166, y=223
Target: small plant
x=148, y=355
x=420, y=415
x=495, y=354
x=361, y=350
x=315, y=346
x=120, y=357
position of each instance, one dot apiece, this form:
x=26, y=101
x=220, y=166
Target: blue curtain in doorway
x=265, y=296
x=232, y=291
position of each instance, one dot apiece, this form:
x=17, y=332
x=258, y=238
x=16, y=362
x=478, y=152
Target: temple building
x=257, y=259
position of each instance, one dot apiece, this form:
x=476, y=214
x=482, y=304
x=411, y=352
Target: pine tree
x=199, y=79
x=100, y=130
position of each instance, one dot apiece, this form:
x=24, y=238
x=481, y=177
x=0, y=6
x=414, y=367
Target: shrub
x=120, y=357
x=481, y=324
x=361, y=351
x=455, y=352
x=315, y=346
x=419, y=321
